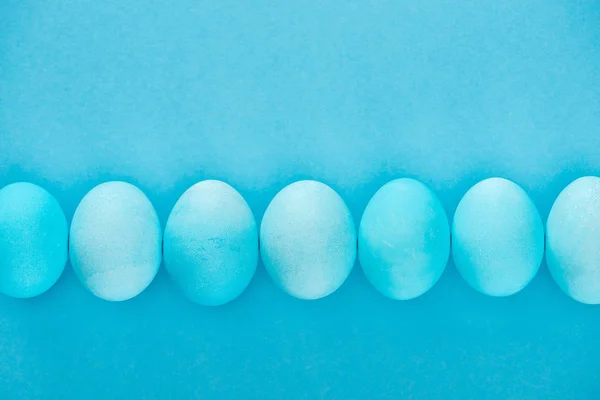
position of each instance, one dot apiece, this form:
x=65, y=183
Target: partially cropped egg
x=211, y=243
x=116, y=241
x=573, y=240
x=497, y=237
x=33, y=240
x=404, y=239
x=308, y=240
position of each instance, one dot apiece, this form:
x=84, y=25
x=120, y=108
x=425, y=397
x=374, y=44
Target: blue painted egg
x=211, y=243
x=33, y=240
x=115, y=243
x=404, y=239
x=308, y=240
x=497, y=237
x=573, y=240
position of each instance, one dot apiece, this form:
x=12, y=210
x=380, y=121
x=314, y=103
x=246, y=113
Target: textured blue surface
x=403, y=239
x=263, y=93
x=211, y=243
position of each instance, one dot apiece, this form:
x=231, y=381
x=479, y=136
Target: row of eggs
x=308, y=240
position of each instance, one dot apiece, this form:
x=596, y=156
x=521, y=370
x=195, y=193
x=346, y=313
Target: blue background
x=259, y=94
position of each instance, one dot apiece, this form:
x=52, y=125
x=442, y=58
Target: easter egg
x=573, y=240
x=33, y=240
x=403, y=239
x=115, y=242
x=308, y=240
x=211, y=243
x=497, y=237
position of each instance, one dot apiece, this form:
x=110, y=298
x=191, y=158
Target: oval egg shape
x=116, y=241
x=211, y=243
x=573, y=240
x=497, y=237
x=33, y=240
x=403, y=239
x=308, y=240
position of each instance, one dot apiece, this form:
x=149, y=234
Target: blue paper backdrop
x=261, y=93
